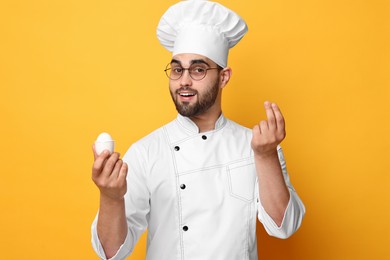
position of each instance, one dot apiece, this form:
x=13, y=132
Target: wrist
x=108, y=200
x=267, y=155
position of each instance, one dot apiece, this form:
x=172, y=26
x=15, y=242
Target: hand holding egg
x=108, y=170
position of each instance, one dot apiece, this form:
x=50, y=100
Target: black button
x=177, y=148
x=204, y=137
x=185, y=228
x=182, y=186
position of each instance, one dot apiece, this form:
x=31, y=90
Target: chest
x=210, y=168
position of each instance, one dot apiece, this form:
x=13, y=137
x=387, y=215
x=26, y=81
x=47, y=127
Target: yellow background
x=72, y=69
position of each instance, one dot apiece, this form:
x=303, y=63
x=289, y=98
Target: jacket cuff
x=292, y=218
x=124, y=250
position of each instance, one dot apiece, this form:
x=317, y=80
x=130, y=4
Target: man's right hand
x=109, y=174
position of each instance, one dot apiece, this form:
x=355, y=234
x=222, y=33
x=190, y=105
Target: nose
x=185, y=79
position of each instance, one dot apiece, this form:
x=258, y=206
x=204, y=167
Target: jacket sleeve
x=293, y=214
x=136, y=203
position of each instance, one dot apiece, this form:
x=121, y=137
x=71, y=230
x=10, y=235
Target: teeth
x=186, y=94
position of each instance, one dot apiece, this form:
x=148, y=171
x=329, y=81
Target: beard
x=203, y=102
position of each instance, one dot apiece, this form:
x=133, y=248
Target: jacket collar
x=189, y=125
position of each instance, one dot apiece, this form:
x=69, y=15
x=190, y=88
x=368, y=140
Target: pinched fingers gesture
x=268, y=134
x=109, y=174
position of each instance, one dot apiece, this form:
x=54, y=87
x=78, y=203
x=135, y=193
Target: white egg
x=104, y=137
x=104, y=142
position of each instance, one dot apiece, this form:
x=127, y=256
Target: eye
x=198, y=70
x=177, y=70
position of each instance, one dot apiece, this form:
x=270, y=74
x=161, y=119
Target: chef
x=199, y=183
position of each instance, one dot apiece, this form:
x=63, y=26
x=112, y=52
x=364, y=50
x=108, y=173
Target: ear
x=225, y=75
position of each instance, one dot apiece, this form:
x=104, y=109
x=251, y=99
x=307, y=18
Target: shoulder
x=235, y=128
x=148, y=143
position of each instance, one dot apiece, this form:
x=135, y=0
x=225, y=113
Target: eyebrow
x=197, y=61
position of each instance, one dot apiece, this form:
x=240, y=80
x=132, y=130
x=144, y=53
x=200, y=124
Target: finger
x=256, y=130
x=110, y=164
x=270, y=115
x=263, y=126
x=123, y=172
x=99, y=163
x=117, y=167
x=104, y=153
x=280, y=124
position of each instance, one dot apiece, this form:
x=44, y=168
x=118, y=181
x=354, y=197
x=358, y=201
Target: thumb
x=94, y=152
x=256, y=131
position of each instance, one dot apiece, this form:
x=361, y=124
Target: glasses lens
x=173, y=71
x=198, y=71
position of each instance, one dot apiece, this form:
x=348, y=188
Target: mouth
x=186, y=95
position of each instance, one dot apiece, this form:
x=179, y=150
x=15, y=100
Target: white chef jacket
x=197, y=193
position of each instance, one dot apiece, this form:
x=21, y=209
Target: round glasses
x=196, y=71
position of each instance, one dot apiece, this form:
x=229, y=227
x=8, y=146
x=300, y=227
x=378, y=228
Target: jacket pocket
x=242, y=179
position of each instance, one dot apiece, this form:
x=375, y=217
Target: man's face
x=194, y=97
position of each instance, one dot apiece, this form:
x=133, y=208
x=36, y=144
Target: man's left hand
x=268, y=134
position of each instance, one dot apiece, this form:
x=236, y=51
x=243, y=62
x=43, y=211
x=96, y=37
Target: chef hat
x=201, y=27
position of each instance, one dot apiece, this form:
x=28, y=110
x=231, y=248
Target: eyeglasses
x=196, y=71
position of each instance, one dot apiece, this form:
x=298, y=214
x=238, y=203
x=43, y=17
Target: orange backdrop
x=72, y=69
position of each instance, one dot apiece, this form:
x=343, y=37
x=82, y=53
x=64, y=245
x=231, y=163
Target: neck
x=206, y=121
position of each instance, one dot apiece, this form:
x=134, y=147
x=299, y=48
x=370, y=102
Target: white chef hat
x=201, y=27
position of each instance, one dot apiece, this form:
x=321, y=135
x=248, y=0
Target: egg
x=104, y=142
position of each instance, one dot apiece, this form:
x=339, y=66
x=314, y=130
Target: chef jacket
x=197, y=193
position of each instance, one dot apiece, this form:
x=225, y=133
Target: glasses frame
x=184, y=69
